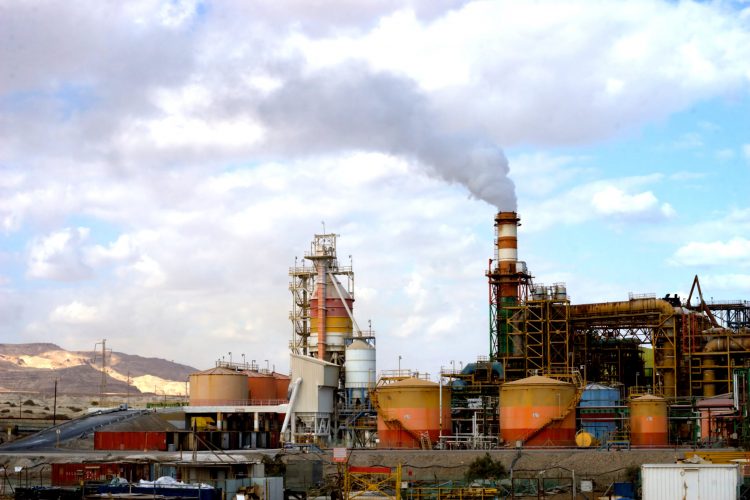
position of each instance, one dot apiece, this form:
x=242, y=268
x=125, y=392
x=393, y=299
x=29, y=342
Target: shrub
x=29, y=402
x=485, y=468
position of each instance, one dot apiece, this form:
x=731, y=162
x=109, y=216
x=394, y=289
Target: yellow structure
x=409, y=413
x=648, y=421
x=538, y=411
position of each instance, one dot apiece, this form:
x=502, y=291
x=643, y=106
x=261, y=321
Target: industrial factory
x=643, y=372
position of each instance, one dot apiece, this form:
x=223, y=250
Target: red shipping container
x=72, y=474
x=131, y=440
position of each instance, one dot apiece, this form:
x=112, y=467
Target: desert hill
x=35, y=367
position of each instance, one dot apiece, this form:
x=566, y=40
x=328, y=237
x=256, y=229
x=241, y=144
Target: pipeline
x=292, y=400
x=716, y=345
x=624, y=307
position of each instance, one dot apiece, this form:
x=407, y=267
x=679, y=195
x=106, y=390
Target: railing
x=402, y=374
x=238, y=402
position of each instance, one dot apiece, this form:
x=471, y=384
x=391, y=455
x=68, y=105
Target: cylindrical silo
x=598, y=410
x=359, y=370
x=282, y=385
x=409, y=411
x=262, y=387
x=538, y=411
x=648, y=421
x=336, y=320
x=218, y=386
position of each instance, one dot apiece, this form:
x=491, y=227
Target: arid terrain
x=34, y=368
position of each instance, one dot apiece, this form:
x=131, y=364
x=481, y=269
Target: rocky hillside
x=35, y=367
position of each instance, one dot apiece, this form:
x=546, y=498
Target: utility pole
x=54, y=407
x=103, y=383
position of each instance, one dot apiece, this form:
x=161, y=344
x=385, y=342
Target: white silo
x=359, y=369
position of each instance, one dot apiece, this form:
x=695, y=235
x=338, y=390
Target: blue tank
x=598, y=410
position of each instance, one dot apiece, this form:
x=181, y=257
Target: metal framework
x=354, y=420
x=500, y=306
x=694, y=351
x=372, y=482
x=303, y=280
x=731, y=314
x=536, y=337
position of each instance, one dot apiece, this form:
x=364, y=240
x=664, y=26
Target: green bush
x=485, y=468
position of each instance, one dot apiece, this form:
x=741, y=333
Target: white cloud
x=205, y=146
x=746, y=151
x=735, y=251
x=59, y=256
x=735, y=282
x=74, y=313
x=725, y=154
x=620, y=200
x=690, y=140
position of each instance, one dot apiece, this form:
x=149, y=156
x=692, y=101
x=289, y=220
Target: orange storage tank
x=410, y=409
x=282, y=385
x=538, y=411
x=262, y=387
x=648, y=421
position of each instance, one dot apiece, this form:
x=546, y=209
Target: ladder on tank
x=575, y=378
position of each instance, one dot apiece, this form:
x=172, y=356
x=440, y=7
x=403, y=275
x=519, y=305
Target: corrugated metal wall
x=131, y=440
x=690, y=481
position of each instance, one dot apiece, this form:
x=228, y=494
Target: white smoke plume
x=351, y=108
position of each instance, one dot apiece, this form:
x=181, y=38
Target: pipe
x=633, y=306
x=709, y=376
x=322, y=285
x=716, y=345
x=440, y=404
x=725, y=344
x=290, y=408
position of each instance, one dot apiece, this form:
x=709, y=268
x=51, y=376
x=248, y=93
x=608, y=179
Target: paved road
x=48, y=438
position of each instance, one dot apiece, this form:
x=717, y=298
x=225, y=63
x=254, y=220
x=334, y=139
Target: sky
x=163, y=163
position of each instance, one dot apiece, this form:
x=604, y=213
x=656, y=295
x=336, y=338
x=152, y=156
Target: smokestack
x=506, y=255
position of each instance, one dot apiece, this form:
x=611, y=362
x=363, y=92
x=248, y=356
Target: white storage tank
x=690, y=481
x=359, y=371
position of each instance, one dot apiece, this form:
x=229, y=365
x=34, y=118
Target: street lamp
x=243, y=360
x=399, y=364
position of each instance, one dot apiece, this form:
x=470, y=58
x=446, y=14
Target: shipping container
x=131, y=440
x=76, y=474
x=690, y=481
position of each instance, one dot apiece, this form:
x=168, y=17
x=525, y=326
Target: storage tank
x=410, y=409
x=359, y=371
x=262, y=387
x=598, y=410
x=282, y=385
x=648, y=421
x=338, y=324
x=218, y=386
x=538, y=411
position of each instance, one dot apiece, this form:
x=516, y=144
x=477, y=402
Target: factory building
x=332, y=359
x=642, y=372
